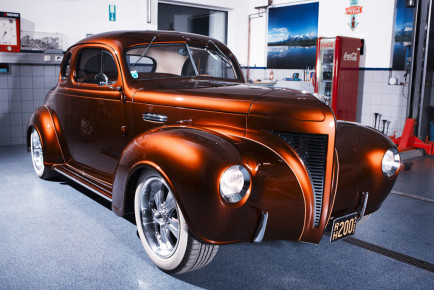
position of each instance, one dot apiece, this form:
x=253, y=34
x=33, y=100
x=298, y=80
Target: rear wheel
x=162, y=228
x=38, y=157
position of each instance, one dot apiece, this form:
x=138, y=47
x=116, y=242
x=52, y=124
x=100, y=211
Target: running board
x=84, y=180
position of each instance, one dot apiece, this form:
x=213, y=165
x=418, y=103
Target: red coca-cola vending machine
x=337, y=74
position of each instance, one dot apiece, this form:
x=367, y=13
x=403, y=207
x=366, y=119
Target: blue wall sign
x=112, y=12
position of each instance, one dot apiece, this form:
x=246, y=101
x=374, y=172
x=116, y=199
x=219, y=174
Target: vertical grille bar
x=312, y=150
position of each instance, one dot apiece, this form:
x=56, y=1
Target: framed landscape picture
x=292, y=34
x=403, y=36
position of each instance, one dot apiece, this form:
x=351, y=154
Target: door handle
x=154, y=117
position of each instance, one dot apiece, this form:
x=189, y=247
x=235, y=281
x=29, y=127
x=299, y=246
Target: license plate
x=343, y=227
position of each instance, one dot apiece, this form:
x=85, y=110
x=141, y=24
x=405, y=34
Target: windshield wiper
x=191, y=59
x=144, y=53
x=221, y=53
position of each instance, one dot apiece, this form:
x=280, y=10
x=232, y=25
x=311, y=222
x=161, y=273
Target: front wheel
x=163, y=230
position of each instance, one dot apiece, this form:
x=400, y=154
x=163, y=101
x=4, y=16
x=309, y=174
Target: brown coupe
x=163, y=125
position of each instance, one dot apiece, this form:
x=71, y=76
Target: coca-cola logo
x=350, y=56
x=353, y=10
x=328, y=44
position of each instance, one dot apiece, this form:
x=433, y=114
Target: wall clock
x=9, y=32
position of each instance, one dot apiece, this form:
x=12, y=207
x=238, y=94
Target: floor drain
x=391, y=254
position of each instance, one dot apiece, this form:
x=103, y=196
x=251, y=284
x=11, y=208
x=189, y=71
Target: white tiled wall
x=375, y=95
x=21, y=91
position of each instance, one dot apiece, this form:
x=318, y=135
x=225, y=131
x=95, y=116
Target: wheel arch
x=42, y=121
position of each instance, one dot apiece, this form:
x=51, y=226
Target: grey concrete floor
x=54, y=234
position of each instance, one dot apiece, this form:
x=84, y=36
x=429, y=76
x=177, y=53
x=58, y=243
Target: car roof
x=125, y=39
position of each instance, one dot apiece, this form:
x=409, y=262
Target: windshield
x=179, y=60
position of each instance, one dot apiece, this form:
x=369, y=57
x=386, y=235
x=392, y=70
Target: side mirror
x=101, y=79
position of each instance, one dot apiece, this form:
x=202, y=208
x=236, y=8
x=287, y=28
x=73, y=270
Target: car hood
x=232, y=98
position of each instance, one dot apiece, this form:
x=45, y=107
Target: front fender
x=42, y=120
x=361, y=151
x=192, y=162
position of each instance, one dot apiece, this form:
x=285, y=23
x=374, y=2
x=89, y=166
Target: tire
x=38, y=157
x=162, y=228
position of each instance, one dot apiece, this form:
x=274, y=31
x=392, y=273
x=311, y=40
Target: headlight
x=391, y=162
x=234, y=183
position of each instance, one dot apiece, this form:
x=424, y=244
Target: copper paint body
x=97, y=136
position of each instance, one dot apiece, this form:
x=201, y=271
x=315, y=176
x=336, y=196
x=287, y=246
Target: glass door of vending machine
x=337, y=74
x=324, y=66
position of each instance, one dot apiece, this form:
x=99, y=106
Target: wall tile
x=15, y=70
x=3, y=82
x=25, y=118
x=38, y=71
x=4, y=120
x=50, y=82
x=5, y=132
x=14, y=94
x=16, y=131
x=24, y=132
x=27, y=106
x=15, y=119
x=27, y=94
x=4, y=107
x=15, y=107
x=38, y=82
x=49, y=71
x=26, y=70
x=37, y=104
x=4, y=95
x=26, y=82
x=14, y=82
x=39, y=94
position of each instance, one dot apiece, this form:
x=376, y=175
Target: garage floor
x=55, y=234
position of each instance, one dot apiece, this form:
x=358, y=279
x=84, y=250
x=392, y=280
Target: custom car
x=164, y=126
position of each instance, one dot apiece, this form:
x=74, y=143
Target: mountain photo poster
x=292, y=34
x=403, y=35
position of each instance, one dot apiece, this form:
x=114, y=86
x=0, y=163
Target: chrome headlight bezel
x=390, y=162
x=234, y=184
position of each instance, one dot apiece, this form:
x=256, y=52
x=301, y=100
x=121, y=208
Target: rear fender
x=42, y=120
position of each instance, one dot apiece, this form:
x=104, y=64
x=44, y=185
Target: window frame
x=67, y=60
x=76, y=60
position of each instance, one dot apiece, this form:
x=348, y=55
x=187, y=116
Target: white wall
x=76, y=18
x=375, y=26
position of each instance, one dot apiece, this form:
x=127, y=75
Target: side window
x=93, y=61
x=66, y=67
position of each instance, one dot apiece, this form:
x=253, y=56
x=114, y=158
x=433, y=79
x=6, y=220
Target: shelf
x=31, y=58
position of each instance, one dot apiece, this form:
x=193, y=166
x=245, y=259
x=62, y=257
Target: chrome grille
x=312, y=150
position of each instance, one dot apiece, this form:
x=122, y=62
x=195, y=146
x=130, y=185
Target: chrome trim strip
x=83, y=184
x=154, y=117
x=362, y=205
x=260, y=231
x=75, y=170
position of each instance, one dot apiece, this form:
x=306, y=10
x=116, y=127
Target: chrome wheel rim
x=159, y=217
x=36, y=148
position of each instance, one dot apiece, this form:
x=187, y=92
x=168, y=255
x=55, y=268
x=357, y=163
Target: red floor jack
x=408, y=141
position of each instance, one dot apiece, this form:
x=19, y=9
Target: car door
x=94, y=114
